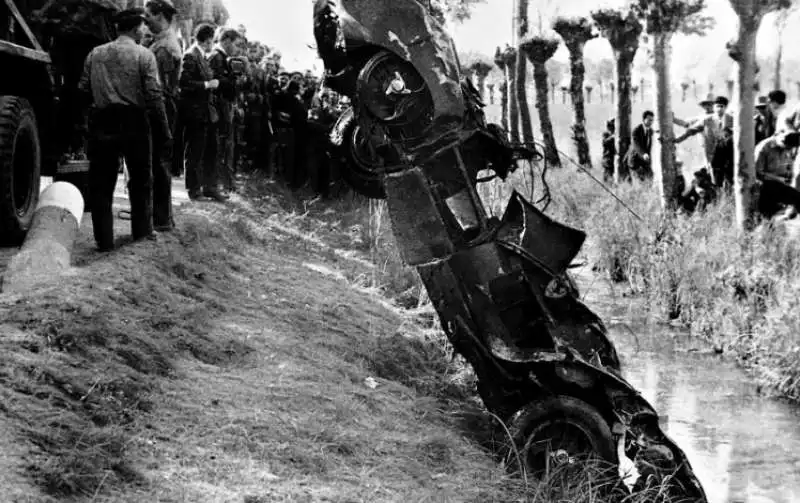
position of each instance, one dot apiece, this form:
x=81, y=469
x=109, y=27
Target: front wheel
x=20, y=168
x=561, y=435
x=361, y=165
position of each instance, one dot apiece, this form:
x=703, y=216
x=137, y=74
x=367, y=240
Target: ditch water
x=744, y=447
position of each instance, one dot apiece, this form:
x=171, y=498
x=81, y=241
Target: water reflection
x=742, y=446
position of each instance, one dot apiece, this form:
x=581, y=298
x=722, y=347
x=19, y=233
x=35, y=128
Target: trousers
x=120, y=132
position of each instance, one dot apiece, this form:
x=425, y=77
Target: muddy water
x=744, y=447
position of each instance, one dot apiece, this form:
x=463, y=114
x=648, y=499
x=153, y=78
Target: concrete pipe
x=47, y=248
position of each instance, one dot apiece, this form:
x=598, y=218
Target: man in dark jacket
x=638, y=156
x=197, y=113
x=609, y=150
x=220, y=135
x=167, y=51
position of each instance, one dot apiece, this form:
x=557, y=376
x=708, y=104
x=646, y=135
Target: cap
x=285, y=74
x=297, y=73
x=762, y=102
x=721, y=100
x=129, y=15
x=165, y=5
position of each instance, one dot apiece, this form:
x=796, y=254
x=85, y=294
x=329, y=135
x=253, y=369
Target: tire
x=361, y=171
x=584, y=433
x=20, y=168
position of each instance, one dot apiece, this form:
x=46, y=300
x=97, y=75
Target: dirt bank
x=241, y=359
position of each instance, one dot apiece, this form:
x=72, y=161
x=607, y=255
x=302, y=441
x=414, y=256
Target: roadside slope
x=236, y=361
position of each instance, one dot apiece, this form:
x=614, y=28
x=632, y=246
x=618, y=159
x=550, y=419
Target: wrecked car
x=417, y=137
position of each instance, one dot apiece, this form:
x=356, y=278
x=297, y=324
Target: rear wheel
x=560, y=435
x=20, y=168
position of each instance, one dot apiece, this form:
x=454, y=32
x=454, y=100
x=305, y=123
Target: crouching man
x=777, y=177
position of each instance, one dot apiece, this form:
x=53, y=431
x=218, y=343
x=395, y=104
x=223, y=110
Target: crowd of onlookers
x=204, y=112
x=277, y=120
x=777, y=165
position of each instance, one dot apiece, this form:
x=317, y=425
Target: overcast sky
x=287, y=25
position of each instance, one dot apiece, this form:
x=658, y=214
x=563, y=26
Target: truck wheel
x=556, y=433
x=20, y=168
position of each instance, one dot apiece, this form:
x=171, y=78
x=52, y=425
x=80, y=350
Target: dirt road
x=85, y=244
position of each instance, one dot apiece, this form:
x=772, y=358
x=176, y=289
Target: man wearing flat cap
x=716, y=128
x=167, y=50
x=764, y=122
x=121, y=79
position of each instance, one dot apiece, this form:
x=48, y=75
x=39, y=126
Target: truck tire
x=20, y=168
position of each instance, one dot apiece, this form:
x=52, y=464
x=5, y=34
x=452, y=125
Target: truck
x=43, y=46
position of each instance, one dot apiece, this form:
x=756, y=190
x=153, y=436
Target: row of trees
x=642, y=22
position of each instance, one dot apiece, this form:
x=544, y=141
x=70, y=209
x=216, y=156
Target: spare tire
x=20, y=168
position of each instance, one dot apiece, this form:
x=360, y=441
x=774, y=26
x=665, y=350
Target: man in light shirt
x=783, y=114
x=713, y=127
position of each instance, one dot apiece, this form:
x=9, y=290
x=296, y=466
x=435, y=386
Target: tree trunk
x=623, y=119
x=730, y=84
x=776, y=83
x=577, y=74
x=543, y=109
x=513, y=108
x=522, y=74
x=663, y=149
x=504, y=105
x=744, y=131
x=47, y=249
x=482, y=86
x=490, y=88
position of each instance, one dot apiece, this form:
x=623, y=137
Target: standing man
x=197, y=111
x=127, y=101
x=638, y=156
x=714, y=128
x=218, y=158
x=764, y=122
x=167, y=51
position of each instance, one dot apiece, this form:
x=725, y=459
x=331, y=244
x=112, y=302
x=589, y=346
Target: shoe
x=196, y=196
x=164, y=228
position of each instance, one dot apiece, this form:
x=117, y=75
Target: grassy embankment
x=252, y=357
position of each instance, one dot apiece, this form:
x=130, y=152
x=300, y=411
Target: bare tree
x=539, y=49
x=510, y=59
x=500, y=62
x=662, y=19
x=743, y=51
x=481, y=70
x=622, y=29
x=521, y=76
x=576, y=31
x=782, y=18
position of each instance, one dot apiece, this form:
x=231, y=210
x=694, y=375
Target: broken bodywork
x=417, y=136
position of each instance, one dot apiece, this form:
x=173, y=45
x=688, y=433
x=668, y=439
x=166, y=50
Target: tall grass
x=736, y=291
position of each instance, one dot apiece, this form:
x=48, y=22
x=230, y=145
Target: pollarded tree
x=743, y=51
x=662, y=19
x=538, y=50
x=500, y=62
x=576, y=31
x=622, y=30
x=521, y=74
x=481, y=70
x=490, y=88
x=510, y=59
